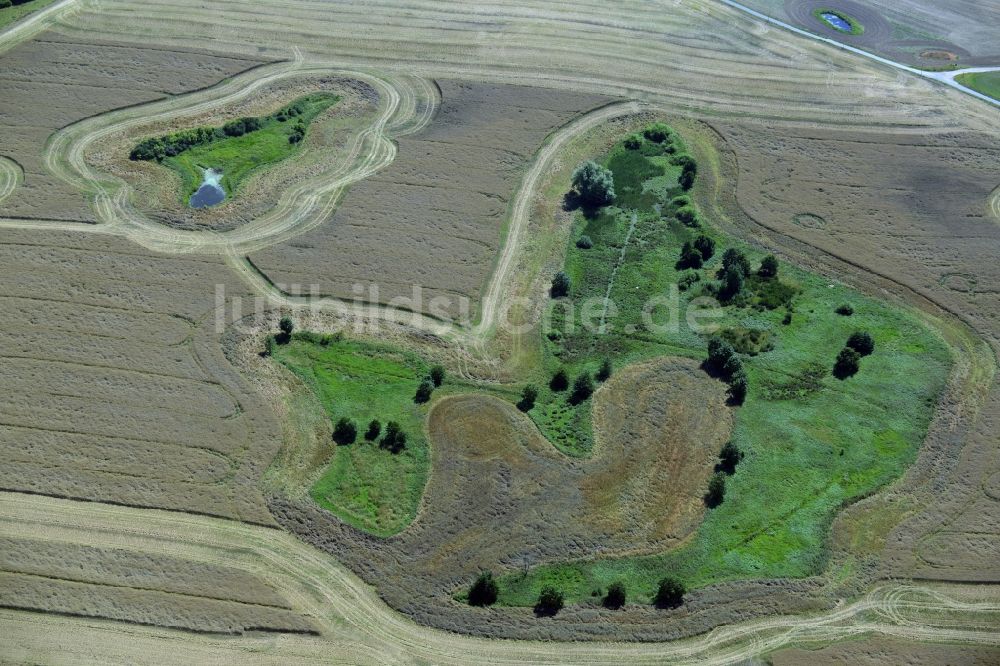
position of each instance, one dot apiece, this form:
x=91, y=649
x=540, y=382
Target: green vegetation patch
x=856, y=28
x=987, y=83
x=14, y=10
x=237, y=148
x=365, y=484
x=811, y=442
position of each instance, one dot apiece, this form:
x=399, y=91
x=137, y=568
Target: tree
x=583, y=387
x=690, y=257
x=374, y=430
x=484, y=590
x=550, y=601
x=845, y=310
x=733, y=258
x=729, y=458
x=738, y=387
x=688, y=216
x=604, y=372
x=732, y=283
x=594, y=184
x=528, y=396
x=670, y=593
x=269, y=345
x=615, y=598
x=560, y=285
x=716, y=490
x=584, y=242
x=847, y=364
x=719, y=352
x=437, y=375
x=286, y=326
x=768, y=267
x=559, y=381
x=345, y=432
x=424, y=391
x=705, y=245
x=394, y=439
x=861, y=342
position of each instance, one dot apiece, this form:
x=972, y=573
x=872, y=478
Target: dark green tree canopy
x=594, y=183
x=345, y=432
x=560, y=285
x=550, y=601
x=669, y=593
x=484, y=590
x=861, y=342
x=768, y=267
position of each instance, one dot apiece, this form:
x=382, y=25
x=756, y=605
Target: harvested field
x=877, y=651
x=52, y=81
x=442, y=202
x=114, y=387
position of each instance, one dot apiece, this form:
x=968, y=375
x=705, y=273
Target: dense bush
x=374, y=430
x=615, y=598
x=559, y=381
x=528, y=396
x=560, y=285
x=669, y=593
x=729, y=458
x=657, y=132
x=594, y=184
x=484, y=590
x=424, y=391
x=394, y=439
x=242, y=126
x=584, y=242
x=705, y=245
x=732, y=283
x=716, y=490
x=632, y=142
x=604, y=372
x=768, y=267
x=583, y=387
x=345, y=432
x=550, y=601
x=286, y=326
x=690, y=257
x=733, y=258
x=687, y=280
x=845, y=310
x=688, y=216
x=861, y=342
x=437, y=375
x=847, y=364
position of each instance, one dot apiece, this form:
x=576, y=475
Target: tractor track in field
x=357, y=627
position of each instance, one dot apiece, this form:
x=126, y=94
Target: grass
x=813, y=443
x=856, y=27
x=9, y=15
x=365, y=485
x=987, y=83
x=238, y=157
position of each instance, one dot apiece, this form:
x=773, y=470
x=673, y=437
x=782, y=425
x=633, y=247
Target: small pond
x=210, y=193
x=837, y=21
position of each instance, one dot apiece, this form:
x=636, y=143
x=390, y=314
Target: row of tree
x=485, y=591
x=159, y=148
x=724, y=361
x=394, y=440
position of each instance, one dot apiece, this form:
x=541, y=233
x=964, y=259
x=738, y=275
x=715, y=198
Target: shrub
x=286, y=326
x=4, y=4
x=845, y=310
x=768, y=267
x=437, y=375
x=669, y=593
x=690, y=257
x=688, y=216
x=584, y=242
x=550, y=601
x=345, y=432
x=705, y=245
x=424, y=391
x=861, y=342
x=560, y=285
x=559, y=381
x=729, y=458
x=615, y=598
x=716, y=490
x=680, y=201
x=733, y=258
x=687, y=280
x=719, y=352
x=788, y=318
x=374, y=430
x=847, y=364
x=732, y=284
x=528, y=396
x=657, y=132
x=604, y=372
x=632, y=142
x=484, y=591
x=394, y=439
x=738, y=386
x=583, y=387
x=269, y=345
x=594, y=184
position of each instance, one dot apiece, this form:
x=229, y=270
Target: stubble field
x=132, y=401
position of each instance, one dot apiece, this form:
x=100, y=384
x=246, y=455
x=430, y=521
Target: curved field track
x=11, y=174
x=356, y=627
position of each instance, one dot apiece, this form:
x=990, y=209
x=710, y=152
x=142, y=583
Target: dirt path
x=358, y=628
x=34, y=23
